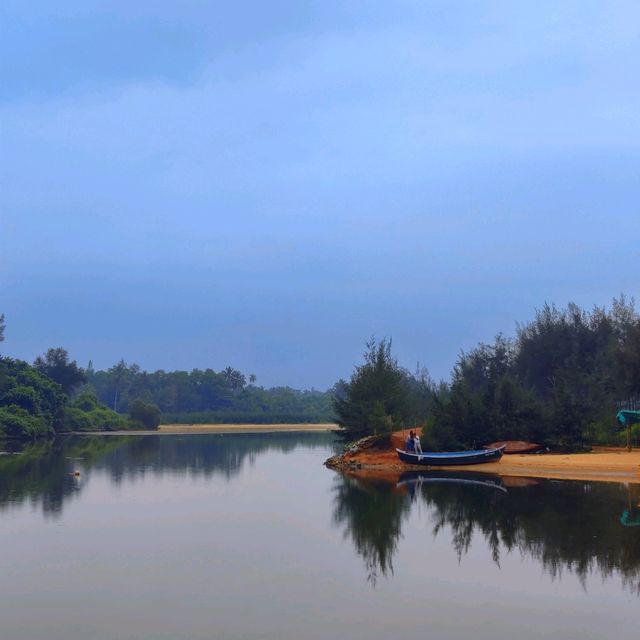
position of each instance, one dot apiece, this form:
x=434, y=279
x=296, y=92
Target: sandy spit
x=185, y=429
x=611, y=465
x=243, y=428
x=603, y=464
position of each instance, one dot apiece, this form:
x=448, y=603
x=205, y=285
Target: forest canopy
x=558, y=382
x=207, y=396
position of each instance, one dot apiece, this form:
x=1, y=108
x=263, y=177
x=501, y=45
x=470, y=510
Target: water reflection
x=43, y=473
x=371, y=514
x=582, y=528
x=577, y=527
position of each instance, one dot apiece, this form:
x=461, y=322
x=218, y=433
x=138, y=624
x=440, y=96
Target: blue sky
x=268, y=184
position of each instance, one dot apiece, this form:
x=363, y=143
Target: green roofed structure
x=627, y=417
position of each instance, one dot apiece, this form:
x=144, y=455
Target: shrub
x=16, y=422
x=22, y=396
x=437, y=436
x=104, y=419
x=144, y=413
x=75, y=419
x=86, y=401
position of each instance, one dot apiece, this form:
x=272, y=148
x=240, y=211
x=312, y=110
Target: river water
x=250, y=537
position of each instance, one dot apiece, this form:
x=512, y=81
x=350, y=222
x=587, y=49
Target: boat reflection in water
x=566, y=526
x=414, y=480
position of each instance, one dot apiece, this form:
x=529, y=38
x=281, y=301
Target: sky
x=267, y=185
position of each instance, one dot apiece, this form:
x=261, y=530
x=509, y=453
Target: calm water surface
x=249, y=536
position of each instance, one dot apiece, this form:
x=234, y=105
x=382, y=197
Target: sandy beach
x=185, y=429
x=603, y=464
x=611, y=465
x=243, y=428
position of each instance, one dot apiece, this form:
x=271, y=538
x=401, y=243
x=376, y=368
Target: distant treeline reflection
x=572, y=527
x=43, y=472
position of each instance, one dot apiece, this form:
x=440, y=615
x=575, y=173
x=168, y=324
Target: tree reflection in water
x=43, y=472
x=372, y=514
x=564, y=525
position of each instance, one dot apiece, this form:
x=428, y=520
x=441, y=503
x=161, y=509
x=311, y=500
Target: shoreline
x=199, y=429
x=603, y=464
x=610, y=466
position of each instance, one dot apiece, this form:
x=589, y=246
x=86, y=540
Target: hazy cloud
x=268, y=184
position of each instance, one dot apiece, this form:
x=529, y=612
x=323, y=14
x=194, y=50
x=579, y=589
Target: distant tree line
x=55, y=395
x=204, y=395
x=558, y=382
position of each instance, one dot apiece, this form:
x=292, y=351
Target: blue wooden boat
x=430, y=458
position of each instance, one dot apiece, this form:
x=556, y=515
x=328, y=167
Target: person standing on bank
x=410, y=443
x=417, y=447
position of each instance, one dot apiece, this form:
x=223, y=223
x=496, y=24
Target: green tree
x=3, y=326
x=22, y=396
x=16, y=422
x=628, y=356
x=376, y=399
x=476, y=409
x=209, y=396
x=146, y=413
x=118, y=375
x=32, y=404
x=557, y=383
x=235, y=379
x=567, y=359
x=86, y=401
x=55, y=364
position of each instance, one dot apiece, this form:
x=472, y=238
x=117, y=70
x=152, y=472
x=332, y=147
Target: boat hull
x=430, y=459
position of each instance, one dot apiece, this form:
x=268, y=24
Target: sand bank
x=604, y=464
x=182, y=429
x=243, y=428
x=611, y=466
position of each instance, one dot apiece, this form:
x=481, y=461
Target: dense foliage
x=559, y=382
x=35, y=400
x=55, y=364
x=207, y=396
x=146, y=414
x=31, y=405
x=381, y=396
x=85, y=413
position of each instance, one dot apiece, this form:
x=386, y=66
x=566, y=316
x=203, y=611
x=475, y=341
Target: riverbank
x=186, y=429
x=602, y=464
